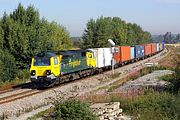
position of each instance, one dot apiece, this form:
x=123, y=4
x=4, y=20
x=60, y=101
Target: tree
x=99, y=31
x=1, y=36
x=168, y=37
x=8, y=69
x=23, y=33
x=178, y=36
x=88, y=35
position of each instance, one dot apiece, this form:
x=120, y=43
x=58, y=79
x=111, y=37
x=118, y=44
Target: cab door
x=56, y=67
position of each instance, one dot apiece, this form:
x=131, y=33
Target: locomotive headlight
x=33, y=72
x=48, y=72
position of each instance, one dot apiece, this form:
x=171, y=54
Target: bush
x=72, y=110
x=8, y=69
x=23, y=74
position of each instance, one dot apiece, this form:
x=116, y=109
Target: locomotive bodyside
x=47, y=68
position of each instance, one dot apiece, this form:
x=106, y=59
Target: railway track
x=16, y=87
x=25, y=90
x=14, y=92
x=17, y=96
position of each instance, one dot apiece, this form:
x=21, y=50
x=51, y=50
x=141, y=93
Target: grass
x=171, y=59
x=42, y=114
x=116, y=84
x=153, y=105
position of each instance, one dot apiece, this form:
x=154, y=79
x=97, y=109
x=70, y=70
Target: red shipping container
x=116, y=54
x=147, y=49
x=124, y=53
x=153, y=48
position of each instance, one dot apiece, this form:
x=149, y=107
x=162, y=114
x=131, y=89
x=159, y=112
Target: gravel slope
x=146, y=80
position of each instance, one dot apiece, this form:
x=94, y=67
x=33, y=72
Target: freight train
x=51, y=68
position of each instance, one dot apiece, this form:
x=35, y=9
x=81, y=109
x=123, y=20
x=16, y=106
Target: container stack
x=109, y=111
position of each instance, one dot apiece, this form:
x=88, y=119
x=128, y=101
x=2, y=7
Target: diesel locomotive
x=50, y=68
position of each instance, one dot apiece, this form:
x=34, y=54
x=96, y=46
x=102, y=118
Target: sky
x=154, y=16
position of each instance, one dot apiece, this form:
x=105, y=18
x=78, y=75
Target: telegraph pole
x=112, y=44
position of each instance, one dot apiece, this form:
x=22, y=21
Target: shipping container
x=103, y=56
x=157, y=47
x=153, y=48
x=124, y=53
x=132, y=52
x=147, y=49
x=116, y=54
x=139, y=51
x=162, y=44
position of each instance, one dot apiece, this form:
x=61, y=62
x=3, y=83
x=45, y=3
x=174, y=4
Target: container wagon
x=163, y=45
x=116, y=56
x=153, y=48
x=124, y=54
x=103, y=57
x=132, y=53
x=139, y=51
x=147, y=50
x=157, y=47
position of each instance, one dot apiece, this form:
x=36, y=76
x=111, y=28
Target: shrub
x=8, y=69
x=23, y=74
x=72, y=110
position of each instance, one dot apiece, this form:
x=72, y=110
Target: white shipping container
x=158, y=47
x=103, y=56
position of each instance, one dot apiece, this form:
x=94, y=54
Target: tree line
x=100, y=30
x=22, y=34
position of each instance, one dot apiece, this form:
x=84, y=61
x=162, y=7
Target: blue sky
x=155, y=16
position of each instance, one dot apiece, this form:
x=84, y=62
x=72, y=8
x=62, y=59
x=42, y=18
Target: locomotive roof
x=60, y=52
x=71, y=52
x=45, y=54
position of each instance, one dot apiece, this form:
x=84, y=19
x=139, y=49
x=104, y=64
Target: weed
x=4, y=116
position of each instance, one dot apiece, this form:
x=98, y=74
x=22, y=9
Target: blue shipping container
x=132, y=52
x=162, y=44
x=139, y=51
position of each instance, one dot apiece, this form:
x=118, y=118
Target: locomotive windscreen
x=41, y=61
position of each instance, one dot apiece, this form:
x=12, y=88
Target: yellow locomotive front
x=45, y=69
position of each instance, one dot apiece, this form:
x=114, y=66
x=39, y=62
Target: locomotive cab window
x=41, y=61
x=83, y=54
x=55, y=61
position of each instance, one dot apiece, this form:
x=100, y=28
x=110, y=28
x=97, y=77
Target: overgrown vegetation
x=67, y=110
x=152, y=106
x=22, y=34
x=73, y=110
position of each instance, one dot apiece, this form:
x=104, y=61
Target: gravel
x=146, y=80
